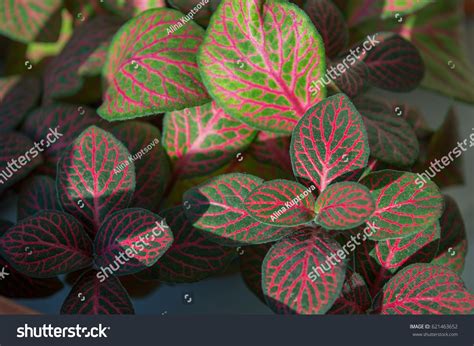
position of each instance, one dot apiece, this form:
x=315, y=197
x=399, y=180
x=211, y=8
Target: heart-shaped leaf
x=425, y=289
x=344, y=205
x=272, y=148
x=328, y=142
x=202, y=139
x=131, y=239
x=287, y=282
x=420, y=247
x=89, y=185
x=394, y=64
x=191, y=257
x=18, y=95
x=152, y=168
x=36, y=194
x=18, y=157
x=32, y=20
x=84, y=54
x=281, y=203
x=251, y=259
x=404, y=205
x=391, y=139
x=69, y=120
x=91, y=295
x=151, y=67
x=329, y=21
x=47, y=244
x=258, y=60
x=216, y=207
x=354, y=298
x=453, y=245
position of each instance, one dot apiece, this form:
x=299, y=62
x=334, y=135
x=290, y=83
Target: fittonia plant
x=252, y=158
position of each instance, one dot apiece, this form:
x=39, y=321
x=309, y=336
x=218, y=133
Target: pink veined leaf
x=47, y=244
x=68, y=121
x=18, y=95
x=354, y=298
x=136, y=236
x=391, y=138
x=394, y=63
x=258, y=61
x=191, y=257
x=96, y=295
x=89, y=187
x=18, y=157
x=361, y=10
x=330, y=23
x=83, y=55
x=251, y=259
x=287, y=283
x=202, y=139
x=36, y=194
x=403, y=204
x=216, y=207
x=453, y=244
x=329, y=142
x=131, y=8
x=421, y=247
x=422, y=289
x=22, y=286
x=31, y=20
x=281, y=203
x=344, y=205
x=353, y=80
x=152, y=168
x=272, y=148
x=151, y=67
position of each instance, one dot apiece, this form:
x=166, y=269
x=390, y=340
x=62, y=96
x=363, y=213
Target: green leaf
x=217, y=208
x=95, y=178
x=202, y=139
x=151, y=67
x=404, y=204
x=258, y=60
x=344, y=205
x=281, y=203
x=329, y=142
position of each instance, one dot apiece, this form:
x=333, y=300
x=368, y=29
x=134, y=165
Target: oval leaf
x=394, y=64
x=202, y=139
x=281, y=203
x=287, y=284
x=328, y=142
x=217, y=208
x=47, y=244
x=151, y=67
x=132, y=240
x=88, y=186
x=344, y=205
x=422, y=289
x=404, y=205
x=391, y=139
x=191, y=257
x=258, y=60
x=91, y=296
